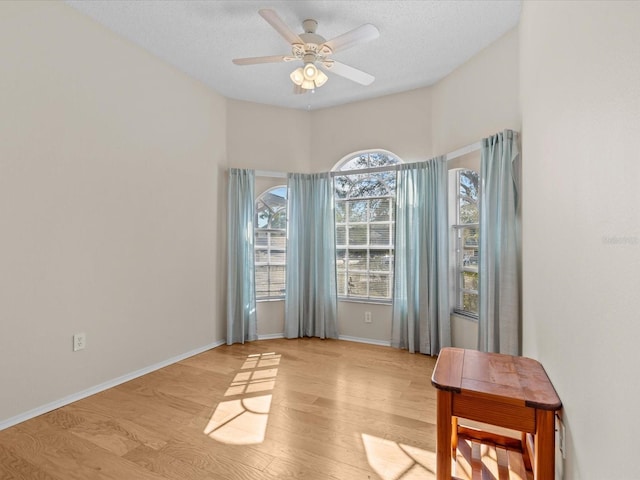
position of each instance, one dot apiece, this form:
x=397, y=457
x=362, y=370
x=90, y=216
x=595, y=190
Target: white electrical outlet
x=79, y=341
x=367, y=317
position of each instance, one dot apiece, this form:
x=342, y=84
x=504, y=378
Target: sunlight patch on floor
x=243, y=420
x=396, y=461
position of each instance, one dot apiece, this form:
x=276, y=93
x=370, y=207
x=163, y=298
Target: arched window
x=270, y=243
x=364, y=202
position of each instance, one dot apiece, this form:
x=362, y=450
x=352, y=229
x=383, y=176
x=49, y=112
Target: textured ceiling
x=420, y=41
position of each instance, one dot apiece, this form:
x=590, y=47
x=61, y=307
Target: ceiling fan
x=313, y=50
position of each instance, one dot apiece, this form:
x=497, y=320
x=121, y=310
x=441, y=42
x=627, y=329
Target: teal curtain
x=241, y=287
x=420, y=319
x=311, y=300
x=500, y=325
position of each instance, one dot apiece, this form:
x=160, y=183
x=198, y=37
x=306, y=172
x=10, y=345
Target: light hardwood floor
x=272, y=409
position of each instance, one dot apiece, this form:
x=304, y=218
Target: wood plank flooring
x=273, y=409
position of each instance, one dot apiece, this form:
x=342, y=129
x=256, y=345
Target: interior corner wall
x=580, y=90
x=399, y=123
x=264, y=137
x=111, y=165
x=479, y=98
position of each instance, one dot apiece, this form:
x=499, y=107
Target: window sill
x=365, y=300
x=467, y=315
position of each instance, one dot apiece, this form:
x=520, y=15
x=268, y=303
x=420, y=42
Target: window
x=270, y=243
x=365, y=204
x=465, y=241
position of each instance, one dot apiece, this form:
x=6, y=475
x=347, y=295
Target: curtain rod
x=474, y=147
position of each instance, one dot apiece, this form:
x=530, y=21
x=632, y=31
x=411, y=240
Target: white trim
x=271, y=336
x=74, y=397
x=270, y=174
x=474, y=147
x=370, y=341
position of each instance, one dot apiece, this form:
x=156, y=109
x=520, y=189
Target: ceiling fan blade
x=276, y=22
x=353, y=74
x=269, y=59
x=364, y=33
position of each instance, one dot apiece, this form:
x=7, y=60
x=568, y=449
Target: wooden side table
x=503, y=390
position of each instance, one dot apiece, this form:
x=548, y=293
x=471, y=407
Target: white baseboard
x=270, y=336
x=370, y=341
x=74, y=397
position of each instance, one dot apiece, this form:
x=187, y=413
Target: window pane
x=342, y=186
x=277, y=256
x=278, y=239
x=357, y=163
x=357, y=260
x=262, y=281
x=340, y=212
x=262, y=239
x=466, y=239
x=270, y=242
x=358, y=235
x=470, y=280
x=341, y=235
x=380, y=209
x=262, y=256
x=469, y=213
x=380, y=261
x=262, y=216
x=468, y=194
x=379, y=234
x=358, y=210
x=363, y=221
x=357, y=284
x=379, y=286
x=342, y=283
x=370, y=186
x=470, y=302
x=378, y=159
x=276, y=280
x=279, y=219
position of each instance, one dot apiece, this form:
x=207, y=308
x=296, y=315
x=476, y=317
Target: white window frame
x=464, y=258
x=343, y=226
x=273, y=249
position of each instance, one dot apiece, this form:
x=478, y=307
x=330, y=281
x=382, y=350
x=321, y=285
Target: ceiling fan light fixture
x=297, y=76
x=310, y=71
x=308, y=77
x=321, y=79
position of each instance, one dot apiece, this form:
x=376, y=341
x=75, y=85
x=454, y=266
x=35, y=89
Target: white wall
x=264, y=137
x=580, y=71
x=400, y=123
x=110, y=170
x=479, y=98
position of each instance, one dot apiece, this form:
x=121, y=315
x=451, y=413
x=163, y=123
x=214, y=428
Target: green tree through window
x=466, y=230
x=270, y=243
x=364, y=203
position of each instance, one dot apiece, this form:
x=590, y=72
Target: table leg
x=545, y=448
x=454, y=436
x=443, y=439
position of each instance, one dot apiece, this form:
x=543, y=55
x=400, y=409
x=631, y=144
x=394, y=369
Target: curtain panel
x=241, y=289
x=420, y=318
x=311, y=300
x=500, y=323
